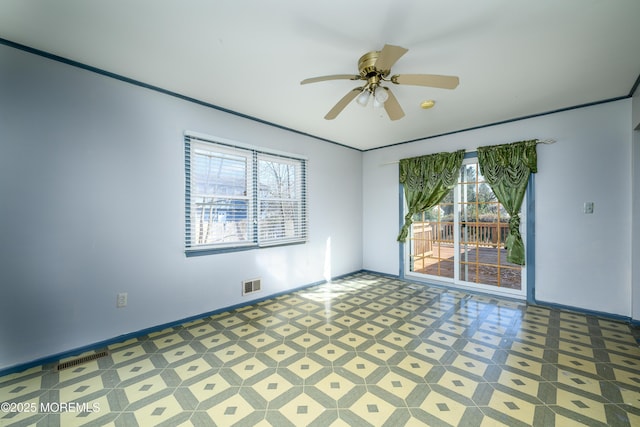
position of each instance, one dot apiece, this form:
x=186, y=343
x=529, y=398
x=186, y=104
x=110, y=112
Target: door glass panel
x=431, y=240
x=462, y=239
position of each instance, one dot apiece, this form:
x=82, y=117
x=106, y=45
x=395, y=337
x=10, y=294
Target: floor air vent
x=250, y=286
x=81, y=360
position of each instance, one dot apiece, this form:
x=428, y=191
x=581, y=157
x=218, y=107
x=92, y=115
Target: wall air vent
x=81, y=360
x=250, y=286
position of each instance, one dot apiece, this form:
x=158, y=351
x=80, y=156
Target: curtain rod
x=540, y=141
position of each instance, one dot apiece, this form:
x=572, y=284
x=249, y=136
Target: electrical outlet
x=121, y=300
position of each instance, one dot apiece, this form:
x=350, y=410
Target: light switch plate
x=588, y=207
x=121, y=300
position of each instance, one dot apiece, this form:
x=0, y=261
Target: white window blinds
x=281, y=199
x=238, y=197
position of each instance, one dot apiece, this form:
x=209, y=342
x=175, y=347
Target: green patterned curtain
x=426, y=180
x=506, y=169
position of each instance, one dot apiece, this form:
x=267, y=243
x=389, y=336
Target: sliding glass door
x=461, y=240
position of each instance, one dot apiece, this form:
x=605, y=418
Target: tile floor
x=365, y=350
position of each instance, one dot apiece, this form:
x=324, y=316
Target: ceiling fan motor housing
x=367, y=65
x=369, y=72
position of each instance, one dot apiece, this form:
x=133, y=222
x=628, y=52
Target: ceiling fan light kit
x=377, y=93
x=381, y=94
x=363, y=98
x=374, y=67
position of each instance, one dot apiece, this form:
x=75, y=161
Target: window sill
x=222, y=250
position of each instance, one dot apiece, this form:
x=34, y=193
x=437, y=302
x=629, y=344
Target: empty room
x=280, y=213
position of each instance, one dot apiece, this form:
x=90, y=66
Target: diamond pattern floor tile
x=365, y=350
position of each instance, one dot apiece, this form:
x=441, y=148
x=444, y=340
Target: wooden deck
x=486, y=265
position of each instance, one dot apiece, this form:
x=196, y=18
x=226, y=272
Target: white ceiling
x=514, y=58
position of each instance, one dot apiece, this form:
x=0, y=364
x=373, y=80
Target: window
x=239, y=197
x=461, y=240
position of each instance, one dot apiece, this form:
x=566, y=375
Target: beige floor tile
x=360, y=348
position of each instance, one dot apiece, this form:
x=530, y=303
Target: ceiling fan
x=374, y=68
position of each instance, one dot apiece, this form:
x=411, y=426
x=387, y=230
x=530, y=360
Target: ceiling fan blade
x=388, y=56
x=337, y=109
x=332, y=77
x=394, y=110
x=431, y=80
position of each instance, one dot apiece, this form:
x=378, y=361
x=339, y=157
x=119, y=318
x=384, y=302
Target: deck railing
x=484, y=234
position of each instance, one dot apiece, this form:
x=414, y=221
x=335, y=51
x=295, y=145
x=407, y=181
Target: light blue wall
x=92, y=204
x=582, y=260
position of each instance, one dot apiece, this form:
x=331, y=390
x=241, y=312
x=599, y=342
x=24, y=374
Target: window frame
x=195, y=141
